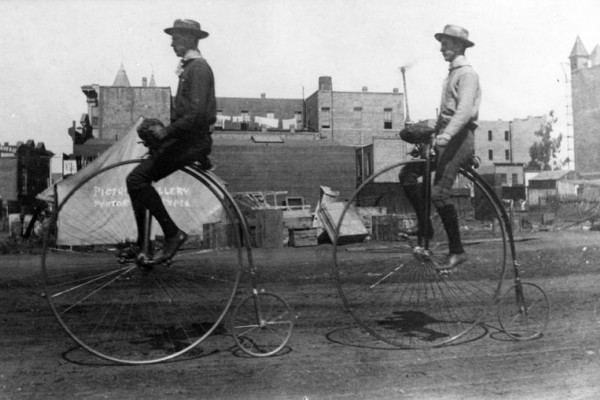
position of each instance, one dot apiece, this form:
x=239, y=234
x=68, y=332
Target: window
x=507, y=155
x=503, y=178
x=94, y=121
x=270, y=115
x=325, y=118
x=515, y=179
x=490, y=154
x=506, y=136
x=368, y=165
x=357, y=117
x=245, y=120
x=490, y=137
x=299, y=122
x=387, y=118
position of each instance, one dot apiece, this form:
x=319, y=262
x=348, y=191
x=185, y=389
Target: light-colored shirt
x=461, y=97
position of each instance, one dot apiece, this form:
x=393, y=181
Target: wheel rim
x=262, y=324
x=524, y=317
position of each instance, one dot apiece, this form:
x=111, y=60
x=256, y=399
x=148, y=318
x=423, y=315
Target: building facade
x=507, y=141
x=24, y=173
x=112, y=111
x=585, y=97
x=354, y=118
x=258, y=114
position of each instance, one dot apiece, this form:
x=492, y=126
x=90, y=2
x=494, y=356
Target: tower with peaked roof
x=121, y=78
x=585, y=95
x=579, y=56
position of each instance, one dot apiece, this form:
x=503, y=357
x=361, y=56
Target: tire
x=390, y=285
x=524, y=315
x=128, y=314
x=262, y=324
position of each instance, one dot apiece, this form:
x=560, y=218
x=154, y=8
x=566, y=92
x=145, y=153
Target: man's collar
x=191, y=55
x=459, y=61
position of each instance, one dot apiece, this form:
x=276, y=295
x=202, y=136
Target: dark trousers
x=169, y=158
x=448, y=161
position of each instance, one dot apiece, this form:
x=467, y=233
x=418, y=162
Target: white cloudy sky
x=280, y=47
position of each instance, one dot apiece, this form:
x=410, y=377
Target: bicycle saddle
x=416, y=134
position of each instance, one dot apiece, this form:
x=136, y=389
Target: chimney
x=395, y=90
x=263, y=96
x=325, y=83
x=144, y=82
x=365, y=89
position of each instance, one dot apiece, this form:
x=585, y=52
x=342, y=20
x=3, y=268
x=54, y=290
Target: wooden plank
x=269, y=228
x=217, y=235
x=297, y=219
x=303, y=237
x=351, y=230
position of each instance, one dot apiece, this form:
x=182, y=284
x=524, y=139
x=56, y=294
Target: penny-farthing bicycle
x=139, y=313
x=390, y=284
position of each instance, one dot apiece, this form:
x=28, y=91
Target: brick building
x=24, y=173
x=585, y=95
x=354, y=118
x=507, y=141
x=112, y=111
x=296, y=163
x=301, y=154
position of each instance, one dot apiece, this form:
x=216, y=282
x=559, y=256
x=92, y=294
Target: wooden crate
x=268, y=231
x=366, y=215
x=217, y=235
x=297, y=219
x=303, y=237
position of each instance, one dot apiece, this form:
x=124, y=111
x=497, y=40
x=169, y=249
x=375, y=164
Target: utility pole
x=569, y=117
x=407, y=120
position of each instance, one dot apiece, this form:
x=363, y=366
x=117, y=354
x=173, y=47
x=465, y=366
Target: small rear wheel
x=262, y=324
x=524, y=311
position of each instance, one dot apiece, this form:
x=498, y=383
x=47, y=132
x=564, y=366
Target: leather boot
x=457, y=254
x=414, y=193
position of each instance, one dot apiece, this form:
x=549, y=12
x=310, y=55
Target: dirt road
x=328, y=356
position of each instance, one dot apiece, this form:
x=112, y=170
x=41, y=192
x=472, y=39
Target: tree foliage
x=544, y=151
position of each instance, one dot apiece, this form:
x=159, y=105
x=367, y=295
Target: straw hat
x=187, y=25
x=455, y=32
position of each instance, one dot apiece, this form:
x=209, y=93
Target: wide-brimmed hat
x=455, y=32
x=187, y=25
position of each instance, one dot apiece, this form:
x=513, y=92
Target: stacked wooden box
x=299, y=226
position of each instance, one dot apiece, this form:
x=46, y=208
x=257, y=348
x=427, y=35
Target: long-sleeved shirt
x=195, y=106
x=461, y=97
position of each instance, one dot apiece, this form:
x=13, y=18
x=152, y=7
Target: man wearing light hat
x=455, y=144
x=185, y=140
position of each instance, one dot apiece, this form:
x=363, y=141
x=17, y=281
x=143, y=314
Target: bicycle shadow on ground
x=79, y=356
x=356, y=336
x=211, y=346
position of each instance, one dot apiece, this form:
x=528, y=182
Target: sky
x=281, y=48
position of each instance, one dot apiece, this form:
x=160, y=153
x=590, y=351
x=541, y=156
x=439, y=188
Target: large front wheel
x=390, y=283
x=125, y=311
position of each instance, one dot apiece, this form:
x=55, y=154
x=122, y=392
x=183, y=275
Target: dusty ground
x=328, y=357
